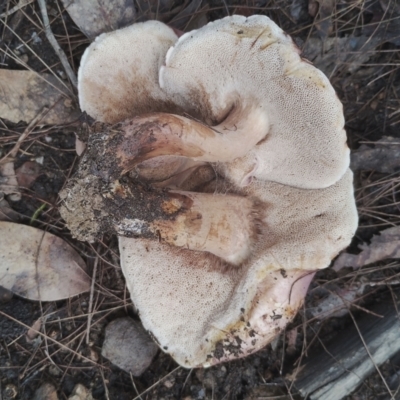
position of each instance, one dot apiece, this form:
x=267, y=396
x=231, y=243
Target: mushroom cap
x=296, y=170
x=118, y=75
x=239, y=62
x=198, y=310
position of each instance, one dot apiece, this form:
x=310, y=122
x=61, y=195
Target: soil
x=66, y=355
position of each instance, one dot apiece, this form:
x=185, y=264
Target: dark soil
x=64, y=357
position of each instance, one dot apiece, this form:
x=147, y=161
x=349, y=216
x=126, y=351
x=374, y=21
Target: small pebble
x=80, y=393
x=46, y=392
x=128, y=346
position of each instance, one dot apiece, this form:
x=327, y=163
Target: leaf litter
x=24, y=94
x=37, y=265
x=384, y=246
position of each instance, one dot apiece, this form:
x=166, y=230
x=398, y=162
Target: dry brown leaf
x=38, y=265
x=94, y=17
x=23, y=95
x=384, y=157
x=384, y=246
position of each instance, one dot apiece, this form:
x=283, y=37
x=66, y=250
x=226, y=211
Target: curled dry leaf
x=38, y=265
x=23, y=95
x=97, y=16
x=382, y=247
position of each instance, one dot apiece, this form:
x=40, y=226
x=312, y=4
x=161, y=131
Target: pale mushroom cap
x=118, y=75
x=199, y=310
x=239, y=62
x=194, y=304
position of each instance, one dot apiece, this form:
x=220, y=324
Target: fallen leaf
x=383, y=246
x=23, y=95
x=383, y=157
x=346, y=54
x=27, y=173
x=38, y=265
x=94, y=17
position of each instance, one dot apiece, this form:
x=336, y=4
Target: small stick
x=21, y=4
x=51, y=38
x=14, y=151
x=90, y=311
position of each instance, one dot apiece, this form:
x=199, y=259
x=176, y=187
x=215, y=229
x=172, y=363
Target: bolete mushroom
x=215, y=267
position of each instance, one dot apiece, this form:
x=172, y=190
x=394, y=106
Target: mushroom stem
x=98, y=200
x=161, y=134
x=225, y=226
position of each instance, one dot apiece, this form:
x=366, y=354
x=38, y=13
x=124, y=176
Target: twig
x=21, y=4
x=14, y=151
x=90, y=313
x=370, y=356
x=51, y=38
x=155, y=384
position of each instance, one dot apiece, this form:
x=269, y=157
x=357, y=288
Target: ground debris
x=345, y=54
x=38, y=265
x=94, y=17
x=383, y=157
x=334, y=301
x=128, y=346
x=80, y=393
x=23, y=95
x=323, y=10
x=46, y=392
x=382, y=247
x=183, y=16
x=27, y=173
x=8, y=181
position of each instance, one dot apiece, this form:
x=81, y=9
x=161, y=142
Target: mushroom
x=216, y=267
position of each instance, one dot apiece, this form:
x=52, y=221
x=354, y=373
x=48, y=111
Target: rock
x=80, y=393
x=128, y=346
x=46, y=392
